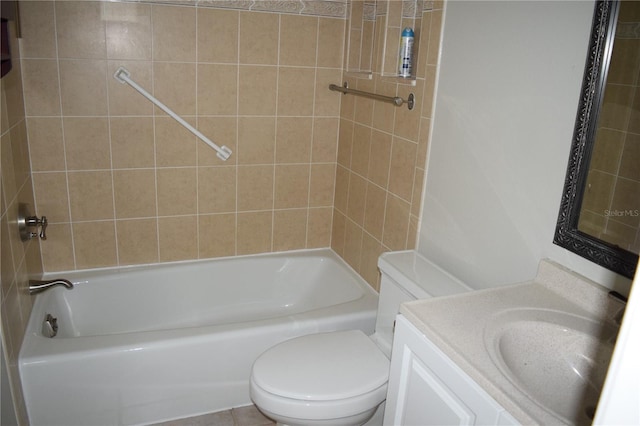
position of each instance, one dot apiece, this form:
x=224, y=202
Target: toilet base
x=368, y=418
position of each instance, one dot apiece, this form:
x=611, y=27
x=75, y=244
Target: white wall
x=507, y=95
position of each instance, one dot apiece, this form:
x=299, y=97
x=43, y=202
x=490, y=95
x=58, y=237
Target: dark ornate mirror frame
x=567, y=234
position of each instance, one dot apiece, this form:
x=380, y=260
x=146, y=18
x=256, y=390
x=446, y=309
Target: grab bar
x=396, y=100
x=123, y=76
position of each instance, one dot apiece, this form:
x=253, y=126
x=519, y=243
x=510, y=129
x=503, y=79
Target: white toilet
x=340, y=378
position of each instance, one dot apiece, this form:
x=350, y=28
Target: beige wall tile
x=20, y=153
x=259, y=38
x=178, y=237
x=132, y=142
x=257, y=88
x=217, y=89
x=293, y=139
x=87, y=143
x=322, y=185
x=83, y=87
x=175, y=145
x=353, y=244
x=254, y=231
x=255, y=188
x=177, y=191
x=80, y=30
x=289, y=229
x=9, y=185
x=357, y=198
x=135, y=193
x=256, y=140
x=396, y=223
x=291, y=186
x=319, y=227
x=330, y=42
x=137, y=241
x=218, y=35
x=341, y=195
x=217, y=235
x=12, y=88
x=380, y=158
x=298, y=40
x=174, y=33
x=128, y=31
x=338, y=228
x=363, y=113
x=46, y=146
x=41, y=88
x=175, y=86
x=7, y=273
x=95, y=244
x=327, y=102
x=374, y=210
x=325, y=140
x=90, y=195
x=37, y=23
x=51, y=196
x=296, y=91
x=217, y=189
x=345, y=141
x=402, y=168
x=123, y=99
x=360, y=150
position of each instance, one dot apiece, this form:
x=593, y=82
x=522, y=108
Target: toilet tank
x=406, y=276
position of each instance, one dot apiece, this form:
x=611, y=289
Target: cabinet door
x=427, y=388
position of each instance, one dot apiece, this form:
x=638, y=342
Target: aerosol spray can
x=406, y=53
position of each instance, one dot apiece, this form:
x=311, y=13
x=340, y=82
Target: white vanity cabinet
x=427, y=388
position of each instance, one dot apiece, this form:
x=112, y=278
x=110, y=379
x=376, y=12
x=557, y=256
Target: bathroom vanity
x=530, y=353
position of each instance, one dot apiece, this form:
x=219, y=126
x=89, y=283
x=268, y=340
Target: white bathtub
x=141, y=345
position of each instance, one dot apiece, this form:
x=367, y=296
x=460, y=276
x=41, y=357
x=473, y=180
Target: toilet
x=340, y=378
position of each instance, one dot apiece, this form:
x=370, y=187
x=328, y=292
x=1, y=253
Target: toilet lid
x=322, y=367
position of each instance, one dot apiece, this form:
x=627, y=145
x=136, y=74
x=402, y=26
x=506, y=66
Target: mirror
x=600, y=209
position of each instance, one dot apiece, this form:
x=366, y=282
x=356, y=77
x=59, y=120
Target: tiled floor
x=243, y=416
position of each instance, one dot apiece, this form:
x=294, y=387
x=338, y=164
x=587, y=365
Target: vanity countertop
x=458, y=326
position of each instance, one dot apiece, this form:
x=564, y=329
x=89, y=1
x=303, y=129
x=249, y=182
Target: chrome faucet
x=36, y=286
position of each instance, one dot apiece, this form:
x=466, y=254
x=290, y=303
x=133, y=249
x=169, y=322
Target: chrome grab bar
x=396, y=100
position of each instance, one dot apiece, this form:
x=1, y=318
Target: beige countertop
x=458, y=325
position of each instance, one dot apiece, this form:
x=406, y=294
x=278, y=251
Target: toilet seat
x=344, y=373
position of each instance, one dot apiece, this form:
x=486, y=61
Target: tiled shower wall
x=19, y=260
x=122, y=183
x=382, y=153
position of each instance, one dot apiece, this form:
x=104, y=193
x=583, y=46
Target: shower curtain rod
x=124, y=77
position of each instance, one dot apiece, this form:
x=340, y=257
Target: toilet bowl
x=340, y=378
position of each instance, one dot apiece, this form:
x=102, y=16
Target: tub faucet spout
x=36, y=286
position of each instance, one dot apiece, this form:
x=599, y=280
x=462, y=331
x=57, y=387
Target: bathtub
x=140, y=345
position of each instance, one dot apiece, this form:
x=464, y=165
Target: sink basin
x=558, y=360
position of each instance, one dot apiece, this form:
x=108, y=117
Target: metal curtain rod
x=123, y=76
x=396, y=100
